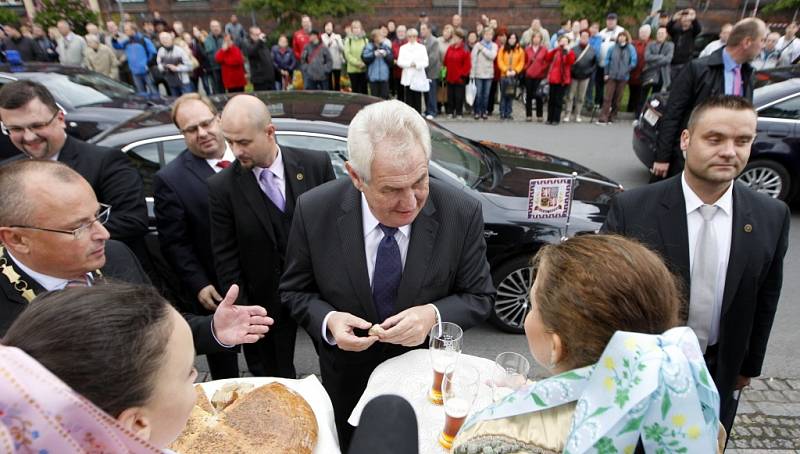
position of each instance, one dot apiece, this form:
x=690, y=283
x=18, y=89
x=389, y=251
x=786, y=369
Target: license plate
x=651, y=117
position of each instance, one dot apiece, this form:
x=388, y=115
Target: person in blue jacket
x=139, y=51
x=620, y=61
x=285, y=63
x=379, y=57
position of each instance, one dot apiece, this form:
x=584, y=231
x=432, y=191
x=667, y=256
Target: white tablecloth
x=312, y=391
x=410, y=376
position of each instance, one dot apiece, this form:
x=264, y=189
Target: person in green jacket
x=353, y=48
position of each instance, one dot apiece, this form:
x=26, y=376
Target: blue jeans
x=482, y=96
x=145, y=85
x=178, y=90
x=316, y=84
x=430, y=99
x=505, y=105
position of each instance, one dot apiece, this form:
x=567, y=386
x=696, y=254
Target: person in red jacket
x=561, y=59
x=301, y=37
x=636, y=99
x=535, y=71
x=458, y=62
x=231, y=62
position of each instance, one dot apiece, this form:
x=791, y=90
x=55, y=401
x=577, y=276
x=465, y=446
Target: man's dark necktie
x=388, y=271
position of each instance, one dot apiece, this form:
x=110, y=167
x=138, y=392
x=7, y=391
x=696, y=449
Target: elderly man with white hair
x=100, y=58
x=388, y=246
x=175, y=64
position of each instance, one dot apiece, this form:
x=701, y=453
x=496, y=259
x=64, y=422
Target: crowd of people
x=582, y=66
x=683, y=281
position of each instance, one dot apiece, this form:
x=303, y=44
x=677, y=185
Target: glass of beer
x=509, y=374
x=459, y=389
x=446, y=340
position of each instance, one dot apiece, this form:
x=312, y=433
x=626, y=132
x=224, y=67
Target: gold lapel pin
x=300, y=177
x=748, y=228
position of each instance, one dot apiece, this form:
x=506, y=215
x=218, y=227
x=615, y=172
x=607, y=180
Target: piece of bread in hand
x=376, y=330
x=228, y=394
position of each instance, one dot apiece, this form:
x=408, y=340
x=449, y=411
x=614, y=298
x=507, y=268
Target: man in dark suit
x=388, y=247
x=725, y=72
x=181, y=207
x=724, y=241
x=53, y=236
x=251, y=204
x=35, y=124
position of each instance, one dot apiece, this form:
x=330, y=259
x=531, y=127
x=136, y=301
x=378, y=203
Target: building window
x=130, y=1
x=10, y=2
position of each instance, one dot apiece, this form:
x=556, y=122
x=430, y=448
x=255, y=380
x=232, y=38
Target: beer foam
x=456, y=407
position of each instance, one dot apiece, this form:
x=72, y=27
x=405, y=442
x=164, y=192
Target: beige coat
x=102, y=60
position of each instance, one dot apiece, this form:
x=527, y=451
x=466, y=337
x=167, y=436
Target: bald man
x=251, y=204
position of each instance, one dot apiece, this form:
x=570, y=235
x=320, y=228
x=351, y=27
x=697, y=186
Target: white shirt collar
x=49, y=283
x=370, y=223
x=276, y=168
x=227, y=156
x=693, y=202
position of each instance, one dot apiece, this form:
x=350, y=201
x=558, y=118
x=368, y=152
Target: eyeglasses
x=205, y=124
x=102, y=216
x=35, y=127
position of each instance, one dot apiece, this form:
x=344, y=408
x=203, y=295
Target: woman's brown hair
x=591, y=286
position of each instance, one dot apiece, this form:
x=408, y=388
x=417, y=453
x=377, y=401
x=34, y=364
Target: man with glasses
x=181, y=206
x=35, y=124
x=53, y=236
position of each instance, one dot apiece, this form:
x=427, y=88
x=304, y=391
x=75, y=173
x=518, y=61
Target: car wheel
x=513, y=281
x=767, y=177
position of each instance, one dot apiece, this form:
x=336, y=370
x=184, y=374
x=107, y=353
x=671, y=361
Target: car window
x=84, y=89
x=145, y=159
x=457, y=155
x=336, y=148
x=172, y=148
x=788, y=110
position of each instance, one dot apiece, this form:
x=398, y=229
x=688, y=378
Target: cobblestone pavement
x=768, y=419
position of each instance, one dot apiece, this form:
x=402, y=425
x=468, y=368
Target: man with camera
x=258, y=53
x=683, y=28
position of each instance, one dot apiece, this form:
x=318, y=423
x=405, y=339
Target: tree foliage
x=782, y=5
x=73, y=11
x=630, y=12
x=9, y=17
x=287, y=13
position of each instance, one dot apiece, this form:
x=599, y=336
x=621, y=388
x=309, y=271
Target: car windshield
x=461, y=157
x=84, y=89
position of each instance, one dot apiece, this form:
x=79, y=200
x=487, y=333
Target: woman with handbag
x=535, y=71
x=483, y=55
x=561, y=59
x=413, y=58
x=510, y=61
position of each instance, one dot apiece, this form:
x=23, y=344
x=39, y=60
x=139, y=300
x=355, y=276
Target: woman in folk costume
x=105, y=369
x=599, y=307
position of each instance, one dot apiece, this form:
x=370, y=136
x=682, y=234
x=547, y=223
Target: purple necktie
x=270, y=188
x=737, y=81
x=387, y=274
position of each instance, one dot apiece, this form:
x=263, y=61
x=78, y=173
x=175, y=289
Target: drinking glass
x=510, y=373
x=446, y=341
x=459, y=389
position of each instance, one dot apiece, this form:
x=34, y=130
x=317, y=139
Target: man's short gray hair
x=391, y=126
x=18, y=197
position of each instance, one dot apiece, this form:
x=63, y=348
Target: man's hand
x=208, y=297
x=660, y=169
x=341, y=325
x=234, y=325
x=742, y=381
x=409, y=328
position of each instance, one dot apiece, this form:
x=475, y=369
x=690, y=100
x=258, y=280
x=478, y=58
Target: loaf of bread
x=269, y=419
x=229, y=393
x=202, y=400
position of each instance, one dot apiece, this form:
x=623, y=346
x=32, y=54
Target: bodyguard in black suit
x=250, y=220
x=36, y=126
x=53, y=236
x=387, y=247
x=182, y=216
x=735, y=317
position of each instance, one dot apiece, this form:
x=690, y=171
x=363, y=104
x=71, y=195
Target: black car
x=91, y=101
x=774, y=165
x=775, y=75
x=497, y=175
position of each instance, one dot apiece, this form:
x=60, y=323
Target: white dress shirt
x=49, y=283
x=723, y=230
x=228, y=156
x=277, y=169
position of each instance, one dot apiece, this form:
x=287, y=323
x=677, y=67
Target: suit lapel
x=198, y=167
x=741, y=245
x=68, y=154
x=295, y=177
x=254, y=197
x=420, y=250
x=351, y=237
x=675, y=235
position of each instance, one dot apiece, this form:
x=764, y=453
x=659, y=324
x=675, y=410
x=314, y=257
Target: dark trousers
x=413, y=98
x=675, y=69
x=635, y=99
x=223, y=365
x=264, y=86
x=216, y=81
x=317, y=84
x=531, y=93
x=335, y=82
x=358, y=82
x=455, y=98
x=556, y=102
x=395, y=89
x=273, y=355
x=599, y=85
x=613, y=95
x=727, y=404
x=379, y=89
x=492, y=97
x=235, y=90
x=388, y=425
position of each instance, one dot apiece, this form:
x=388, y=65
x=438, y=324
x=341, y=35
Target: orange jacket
x=516, y=57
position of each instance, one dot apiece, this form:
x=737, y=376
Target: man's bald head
x=19, y=187
x=247, y=127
